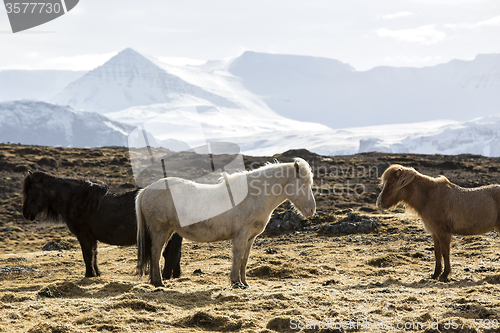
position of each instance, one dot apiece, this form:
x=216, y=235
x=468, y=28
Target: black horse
x=91, y=214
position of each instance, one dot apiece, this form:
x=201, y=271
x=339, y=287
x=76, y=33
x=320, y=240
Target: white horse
x=159, y=214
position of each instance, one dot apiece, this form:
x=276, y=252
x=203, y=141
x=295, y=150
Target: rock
x=329, y=283
x=47, y=162
x=352, y=224
x=288, y=220
x=20, y=168
x=17, y=270
x=57, y=245
x=49, y=294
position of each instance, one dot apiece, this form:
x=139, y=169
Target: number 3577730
x=33, y=7
x=470, y=323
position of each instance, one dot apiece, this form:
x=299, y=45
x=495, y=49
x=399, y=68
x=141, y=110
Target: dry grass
x=295, y=276
x=379, y=277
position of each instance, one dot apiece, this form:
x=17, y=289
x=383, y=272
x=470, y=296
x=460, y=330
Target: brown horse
x=445, y=208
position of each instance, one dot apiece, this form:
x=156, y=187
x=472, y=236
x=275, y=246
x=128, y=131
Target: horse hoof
x=444, y=279
x=158, y=284
x=239, y=285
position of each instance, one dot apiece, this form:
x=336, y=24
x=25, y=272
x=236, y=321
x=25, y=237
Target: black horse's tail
x=144, y=242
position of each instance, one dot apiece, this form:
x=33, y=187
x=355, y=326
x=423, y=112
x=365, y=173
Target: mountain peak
x=129, y=58
x=128, y=50
x=129, y=79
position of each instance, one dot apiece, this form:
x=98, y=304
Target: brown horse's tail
x=143, y=237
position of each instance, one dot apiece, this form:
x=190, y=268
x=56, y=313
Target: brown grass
x=376, y=277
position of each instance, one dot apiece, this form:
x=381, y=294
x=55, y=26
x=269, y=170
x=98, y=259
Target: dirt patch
x=280, y=324
x=493, y=279
x=388, y=260
x=52, y=328
x=283, y=272
x=135, y=305
x=116, y=288
x=62, y=288
x=211, y=322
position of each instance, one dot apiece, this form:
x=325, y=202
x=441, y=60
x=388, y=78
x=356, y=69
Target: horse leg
x=94, y=252
x=158, y=238
x=445, y=249
x=88, y=245
x=239, y=246
x=245, y=261
x=172, y=255
x=437, y=257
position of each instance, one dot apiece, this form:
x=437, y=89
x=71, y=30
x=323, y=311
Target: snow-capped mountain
x=129, y=79
x=41, y=123
x=268, y=104
x=333, y=93
x=34, y=84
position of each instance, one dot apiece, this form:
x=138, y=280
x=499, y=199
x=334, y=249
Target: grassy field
x=301, y=280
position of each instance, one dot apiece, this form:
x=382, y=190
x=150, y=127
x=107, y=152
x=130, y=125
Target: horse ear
x=398, y=173
x=30, y=174
x=297, y=169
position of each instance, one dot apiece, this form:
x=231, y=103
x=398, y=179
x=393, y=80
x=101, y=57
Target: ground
x=300, y=279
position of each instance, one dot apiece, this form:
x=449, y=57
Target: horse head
x=395, y=181
x=35, y=197
x=299, y=190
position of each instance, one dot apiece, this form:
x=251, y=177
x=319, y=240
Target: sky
x=362, y=33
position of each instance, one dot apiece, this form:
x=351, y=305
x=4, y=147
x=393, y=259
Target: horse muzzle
x=381, y=205
x=29, y=216
x=309, y=212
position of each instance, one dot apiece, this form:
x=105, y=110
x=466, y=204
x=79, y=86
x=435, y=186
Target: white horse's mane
x=305, y=170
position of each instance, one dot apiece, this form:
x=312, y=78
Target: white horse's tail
x=143, y=237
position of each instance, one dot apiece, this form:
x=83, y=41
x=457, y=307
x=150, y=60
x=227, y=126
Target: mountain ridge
x=382, y=95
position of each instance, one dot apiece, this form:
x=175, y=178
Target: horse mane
x=89, y=195
x=26, y=185
x=305, y=170
x=390, y=173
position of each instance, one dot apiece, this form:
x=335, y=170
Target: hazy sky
x=363, y=33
